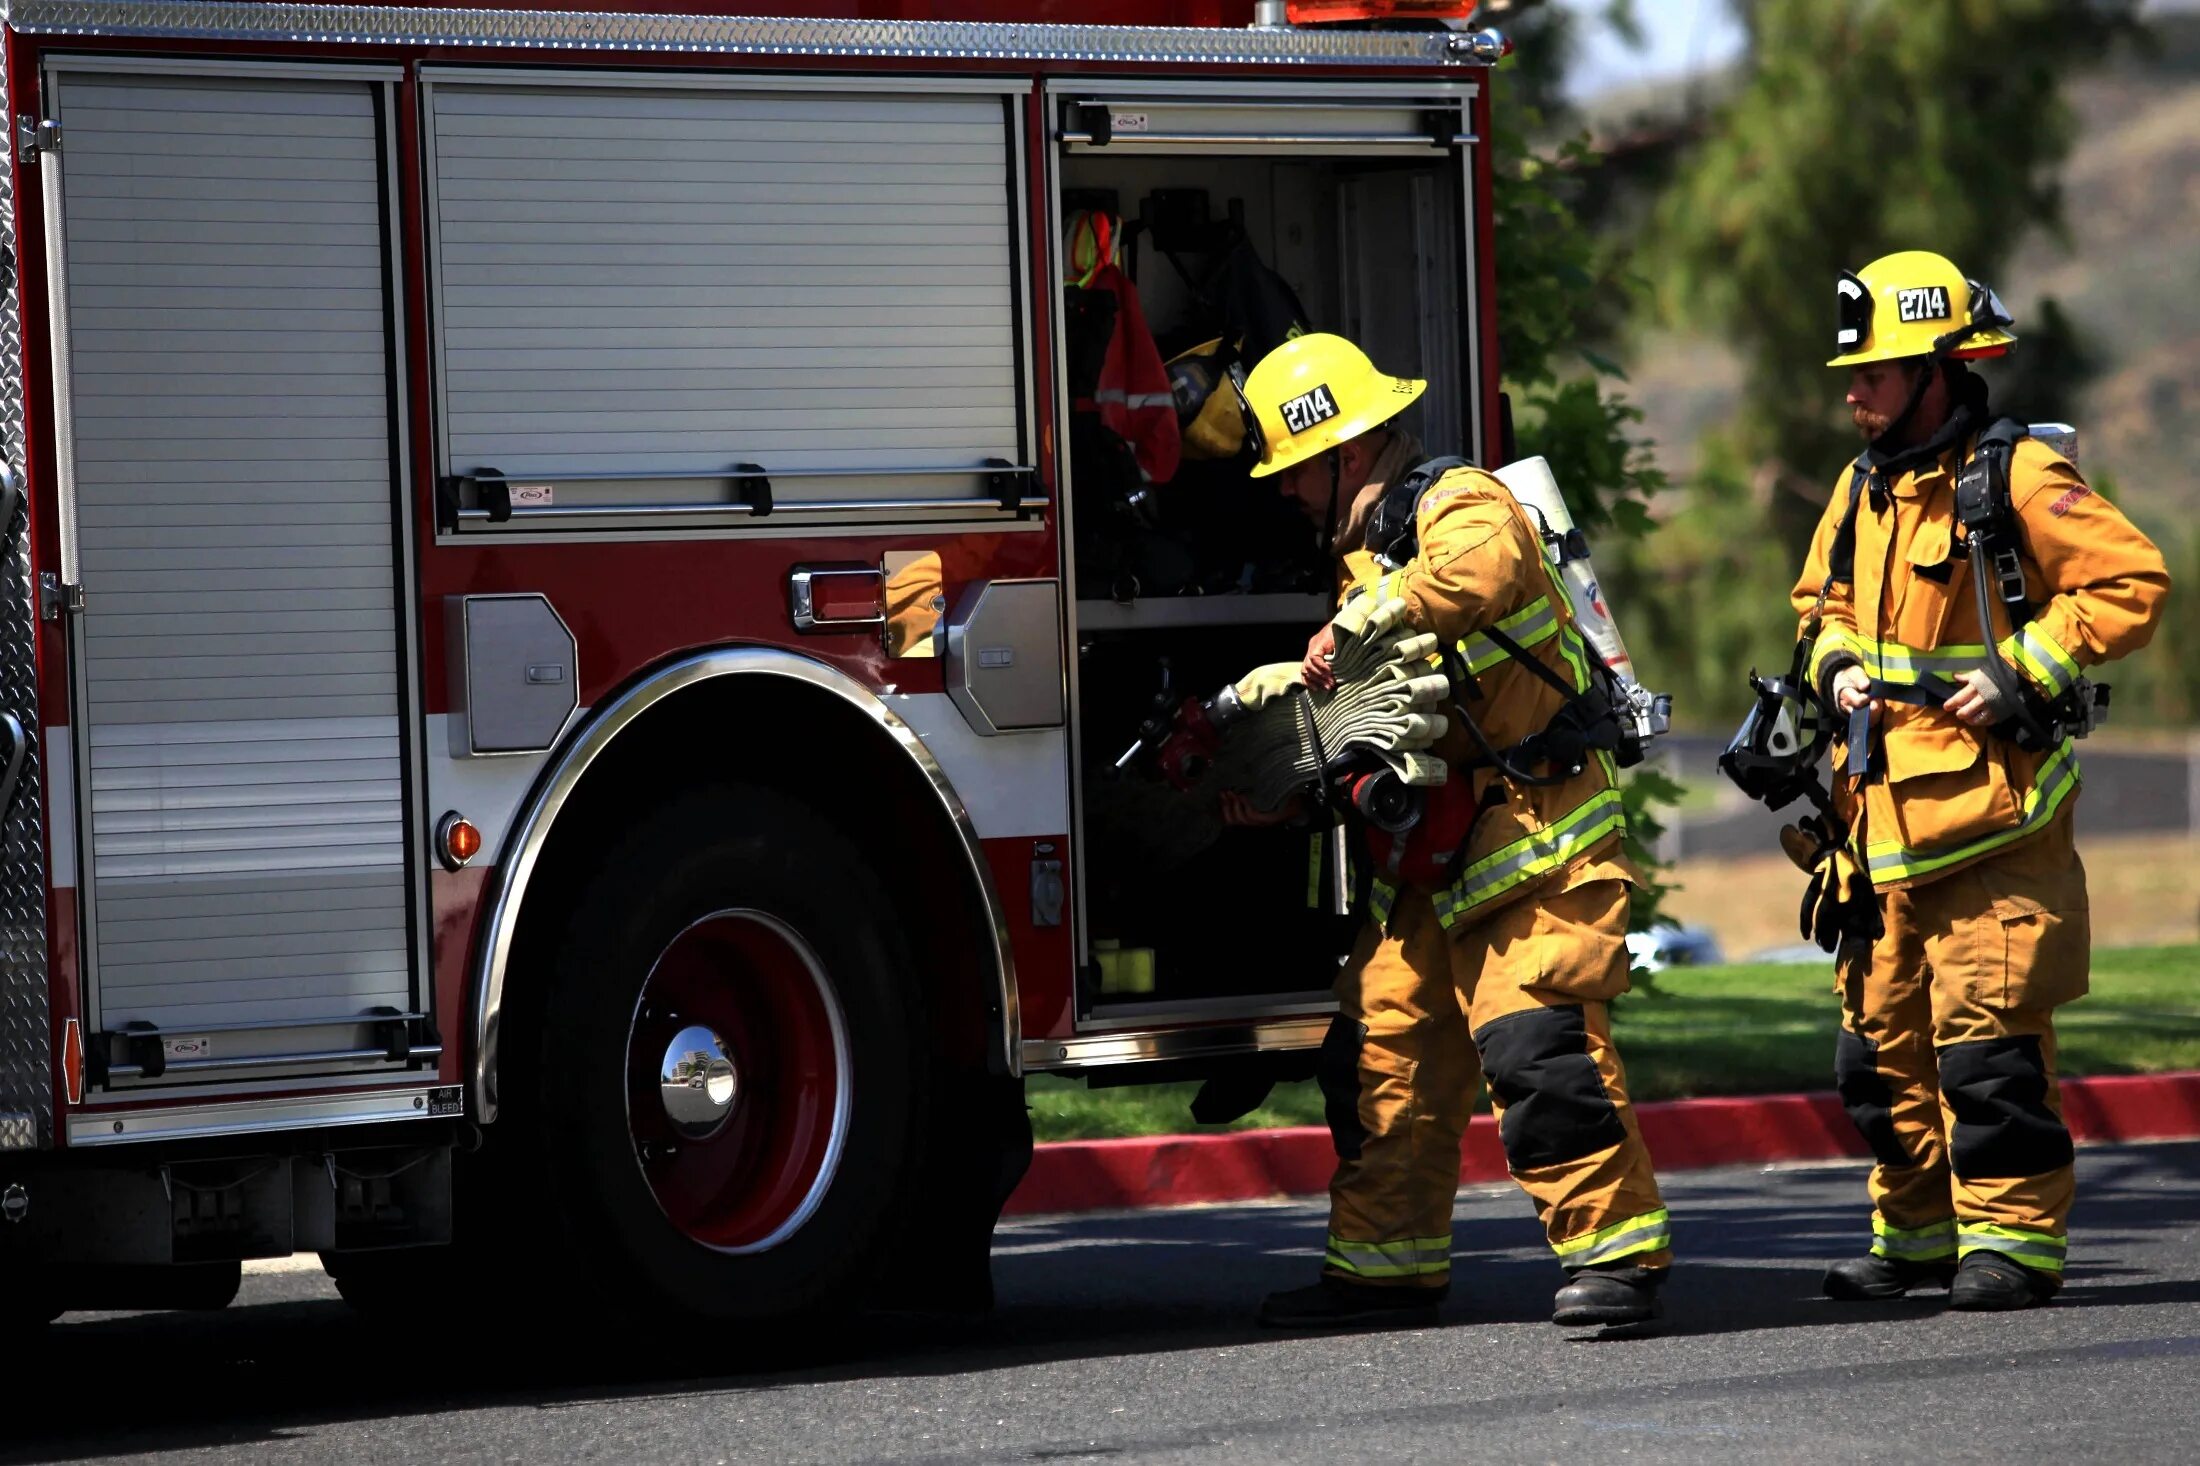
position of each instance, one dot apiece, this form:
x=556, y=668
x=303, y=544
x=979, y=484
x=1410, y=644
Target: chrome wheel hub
x=698, y=1083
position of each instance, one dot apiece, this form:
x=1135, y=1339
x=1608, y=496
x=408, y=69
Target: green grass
x=1750, y=1029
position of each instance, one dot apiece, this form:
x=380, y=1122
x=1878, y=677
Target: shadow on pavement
x=1752, y=1246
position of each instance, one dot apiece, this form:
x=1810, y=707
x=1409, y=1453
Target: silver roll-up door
x=641, y=284
x=236, y=515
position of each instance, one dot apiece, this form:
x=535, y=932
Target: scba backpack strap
x=1991, y=529
x=1393, y=530
x=1989, y=517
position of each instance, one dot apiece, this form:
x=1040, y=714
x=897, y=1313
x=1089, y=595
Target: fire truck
x=564, y=665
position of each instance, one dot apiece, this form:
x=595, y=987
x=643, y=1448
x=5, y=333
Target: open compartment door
x=1355, y=199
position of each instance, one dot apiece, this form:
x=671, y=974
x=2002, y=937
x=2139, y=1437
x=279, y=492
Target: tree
x=1863, y=128
x=1854, y=129
x=1560, y=293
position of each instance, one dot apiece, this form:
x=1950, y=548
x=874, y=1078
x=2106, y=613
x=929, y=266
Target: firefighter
x=1960, y=581
x=1502, y=970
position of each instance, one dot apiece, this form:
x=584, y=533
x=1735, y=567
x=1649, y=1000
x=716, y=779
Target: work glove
x=1839, y=905
x=1979, y=702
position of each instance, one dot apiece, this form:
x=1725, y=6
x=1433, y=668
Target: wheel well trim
x=523, y=848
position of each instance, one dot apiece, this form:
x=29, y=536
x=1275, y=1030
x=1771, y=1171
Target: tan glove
x=1839, y=905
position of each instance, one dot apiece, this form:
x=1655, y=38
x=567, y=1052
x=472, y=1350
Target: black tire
x=978, y=1150
x=728, y=847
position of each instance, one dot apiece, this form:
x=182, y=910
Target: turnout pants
x=1519, y=998
x=1946, y=1057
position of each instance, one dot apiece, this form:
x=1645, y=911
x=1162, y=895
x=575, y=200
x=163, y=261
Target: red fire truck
x=566, y=640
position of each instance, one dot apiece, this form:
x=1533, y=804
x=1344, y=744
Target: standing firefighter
x=1962, y=579
x=1499, y=960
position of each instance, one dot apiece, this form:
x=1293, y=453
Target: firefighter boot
x=1340, y=1303
x=1989, y=1282
x=1855, y=1279
x=1603, y=1296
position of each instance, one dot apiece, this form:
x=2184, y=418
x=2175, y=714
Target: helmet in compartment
x=1314, y=392
x=1211, y=422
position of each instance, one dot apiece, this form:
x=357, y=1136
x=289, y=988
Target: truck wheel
x=978, y=1150
x=732, y=1066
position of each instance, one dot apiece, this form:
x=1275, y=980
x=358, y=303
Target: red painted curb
x=1683, y=1135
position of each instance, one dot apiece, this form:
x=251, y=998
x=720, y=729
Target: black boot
x=1606, y=1296
x=1337, y=1303
x=1987, y=1282
x=1854, y=1279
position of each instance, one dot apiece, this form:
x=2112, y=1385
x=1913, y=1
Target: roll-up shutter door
x=236, y=512
x=642, y=282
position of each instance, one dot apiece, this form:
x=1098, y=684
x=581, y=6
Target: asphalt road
x=1128, y=1338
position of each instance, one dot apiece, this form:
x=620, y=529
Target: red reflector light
x=457, y=841
x=72, y=1061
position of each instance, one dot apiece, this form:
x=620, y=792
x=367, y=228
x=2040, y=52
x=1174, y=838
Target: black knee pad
x=1556, y=1108
x=1868, y=1098
x=2004, y=1129
x=1337, y=1072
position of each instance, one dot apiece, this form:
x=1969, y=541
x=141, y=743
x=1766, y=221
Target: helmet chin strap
x=1890, y=442
x=1336, y=492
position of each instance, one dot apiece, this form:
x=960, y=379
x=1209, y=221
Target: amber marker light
x=457, y=840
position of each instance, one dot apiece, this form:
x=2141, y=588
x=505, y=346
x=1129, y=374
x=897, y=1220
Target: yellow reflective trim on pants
x=1380, y=902
x=1532, y=855
x=2058, y=776
x=1531, y=625
x=2033, y=1249
x=2042, y=660
x=1413, y=1257
x=1650, y=1232
x=1929, y=1243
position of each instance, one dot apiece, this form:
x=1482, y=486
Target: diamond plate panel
x=26, y=1022
x=936, y=40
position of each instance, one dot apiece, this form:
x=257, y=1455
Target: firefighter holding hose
x=1496, y=960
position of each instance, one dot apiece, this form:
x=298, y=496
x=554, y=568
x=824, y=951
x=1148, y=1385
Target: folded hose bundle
x=1382, y=708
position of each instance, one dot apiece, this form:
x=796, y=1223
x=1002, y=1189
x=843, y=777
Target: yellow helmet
x=1210, y=418
x=1916, y=303
x=1314, y=392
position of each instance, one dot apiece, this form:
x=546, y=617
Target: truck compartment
x=245, y=737
x=1187, y=583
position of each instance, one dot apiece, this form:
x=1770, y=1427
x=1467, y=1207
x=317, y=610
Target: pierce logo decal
x=1309, y=408
x=1926, y=303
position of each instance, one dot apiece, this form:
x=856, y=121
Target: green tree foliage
x=1862, y=128
x=1557, y=292
x=1858, y=128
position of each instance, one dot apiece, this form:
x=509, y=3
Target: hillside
x=2127, y=271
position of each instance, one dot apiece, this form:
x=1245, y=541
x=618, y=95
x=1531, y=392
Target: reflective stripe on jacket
x=1950, y=793
x=1480, y=564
